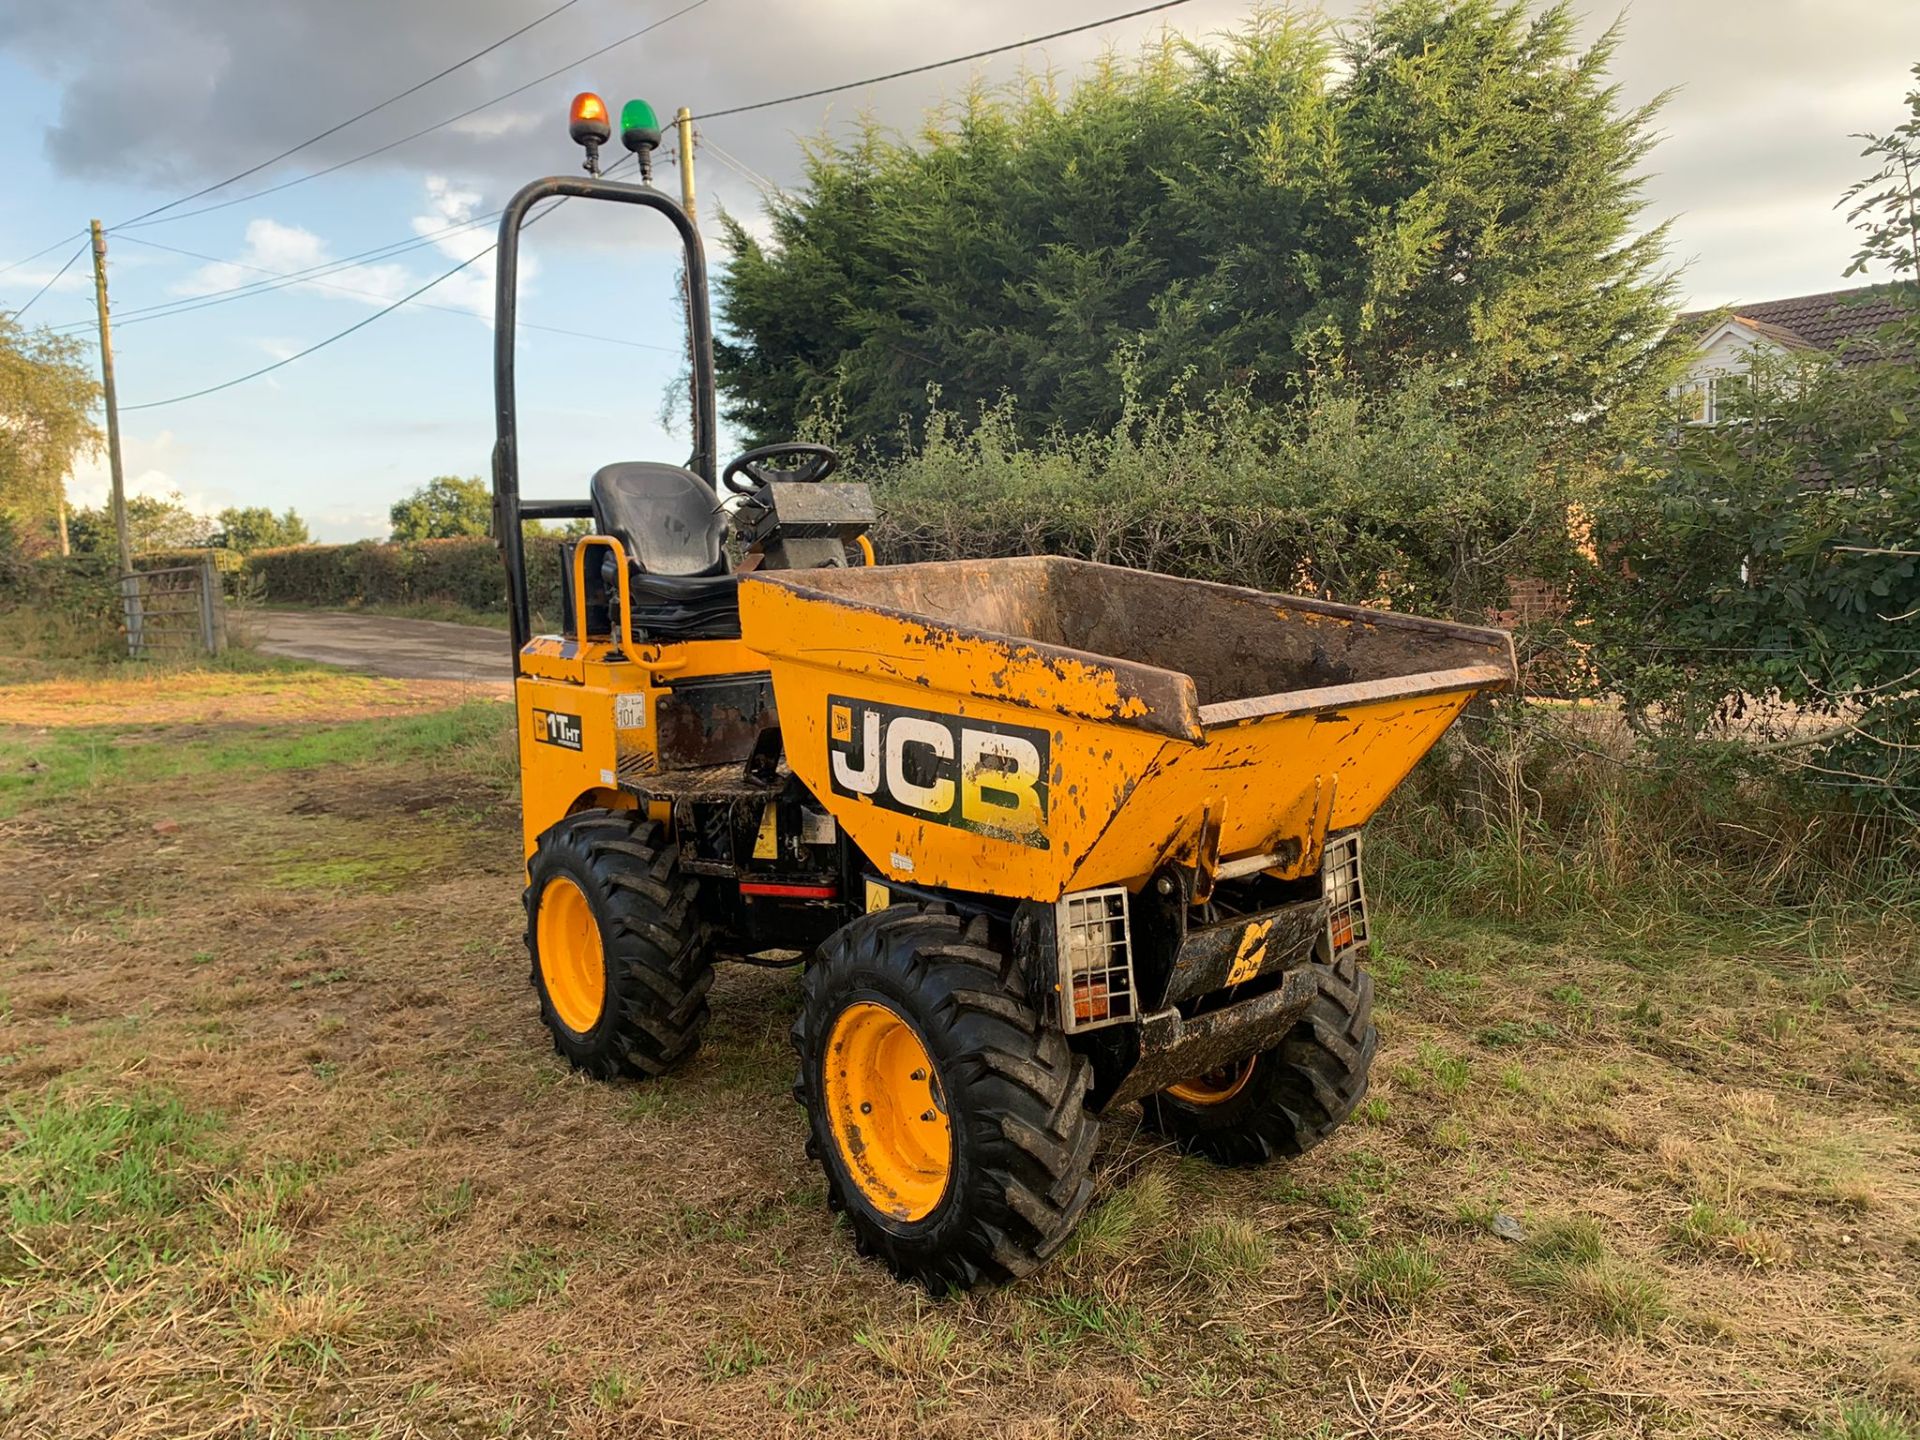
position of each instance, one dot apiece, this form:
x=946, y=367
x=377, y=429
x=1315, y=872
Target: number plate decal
x=554, y=727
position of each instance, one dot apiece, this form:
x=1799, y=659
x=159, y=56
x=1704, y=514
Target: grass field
x=285, y=1152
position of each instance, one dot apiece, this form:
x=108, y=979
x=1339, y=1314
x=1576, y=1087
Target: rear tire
x=1295, y=1095
x=993, y=1185
x=618, y=950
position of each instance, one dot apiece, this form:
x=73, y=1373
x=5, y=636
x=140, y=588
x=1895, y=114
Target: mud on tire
x=1014, y=1094
x=653, y=943
x=1299, y=1091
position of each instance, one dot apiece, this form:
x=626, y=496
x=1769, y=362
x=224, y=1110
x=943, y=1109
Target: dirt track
x=385, y=645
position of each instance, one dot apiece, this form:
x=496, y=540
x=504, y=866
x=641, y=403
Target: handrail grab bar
x=580, y=588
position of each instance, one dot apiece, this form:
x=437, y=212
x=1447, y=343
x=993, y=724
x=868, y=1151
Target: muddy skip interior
x=1236, y=644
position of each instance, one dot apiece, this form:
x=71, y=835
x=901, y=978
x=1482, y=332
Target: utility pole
x=113, y=404
x=129, y=583
x=683, y=122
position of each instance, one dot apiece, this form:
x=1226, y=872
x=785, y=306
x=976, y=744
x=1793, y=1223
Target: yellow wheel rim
x=888, y=1114
x=1216, y=1087
x=572, y=965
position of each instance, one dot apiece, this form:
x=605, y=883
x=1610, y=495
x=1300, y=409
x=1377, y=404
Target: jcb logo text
x=971, y=774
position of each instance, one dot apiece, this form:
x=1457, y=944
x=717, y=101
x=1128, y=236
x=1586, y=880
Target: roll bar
x=508, y=508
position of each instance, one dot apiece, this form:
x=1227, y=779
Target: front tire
x=619, y=952
x=1288, y=1099
x=952, y=1126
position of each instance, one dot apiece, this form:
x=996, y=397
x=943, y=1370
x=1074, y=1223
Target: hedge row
x=368, y=572
x=225, y=562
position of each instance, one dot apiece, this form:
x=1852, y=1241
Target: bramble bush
x=1390, y=498
x=54, y=606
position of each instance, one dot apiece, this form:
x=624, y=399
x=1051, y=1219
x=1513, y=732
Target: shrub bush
x=60, y=606
x=225, y=562
x=1370, y=498
x=463, y=572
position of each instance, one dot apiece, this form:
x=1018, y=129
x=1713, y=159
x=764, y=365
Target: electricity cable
x=941, y=64
x=297, y=278
x=352, y=119
x=379, y=314
x=427, y=129
x=29, y=259
x=56, y=275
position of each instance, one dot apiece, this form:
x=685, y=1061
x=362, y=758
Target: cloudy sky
x=118, y=106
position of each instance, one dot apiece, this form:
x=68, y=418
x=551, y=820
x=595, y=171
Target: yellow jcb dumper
x=1050, y=838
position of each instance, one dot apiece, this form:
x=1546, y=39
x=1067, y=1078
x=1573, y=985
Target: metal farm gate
x=173, y=614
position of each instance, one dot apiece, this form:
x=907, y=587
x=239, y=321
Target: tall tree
x=255, y=527
x=1451, y=184
x=46, y=395
x=445, y=507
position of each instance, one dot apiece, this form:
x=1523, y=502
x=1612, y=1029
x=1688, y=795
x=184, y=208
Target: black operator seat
x=671, y=525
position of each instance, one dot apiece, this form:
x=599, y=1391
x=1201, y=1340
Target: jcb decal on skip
x=970, y=774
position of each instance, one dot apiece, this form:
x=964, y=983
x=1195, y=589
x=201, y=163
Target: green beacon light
x=640, y=133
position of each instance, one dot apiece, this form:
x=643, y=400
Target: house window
x=1715, y=399
x=1698, y=400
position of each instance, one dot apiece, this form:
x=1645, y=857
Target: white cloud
x=155, y=464
x=275, y=249
x=472, y=288
x=27, y=282
x=339, y=525
x=492, y=127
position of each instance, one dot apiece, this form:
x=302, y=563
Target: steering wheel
x=820, y=462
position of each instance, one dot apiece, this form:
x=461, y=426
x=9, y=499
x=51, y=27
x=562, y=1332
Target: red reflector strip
x=789, y=892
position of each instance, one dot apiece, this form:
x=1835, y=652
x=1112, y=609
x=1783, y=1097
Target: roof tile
x=1823, y=321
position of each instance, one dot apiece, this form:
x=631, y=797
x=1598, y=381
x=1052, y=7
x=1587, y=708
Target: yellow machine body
x=587, y=718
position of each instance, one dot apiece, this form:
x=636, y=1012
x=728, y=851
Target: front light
x=1095, y=947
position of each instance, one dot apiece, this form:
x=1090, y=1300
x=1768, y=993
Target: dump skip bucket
x=1032, y=726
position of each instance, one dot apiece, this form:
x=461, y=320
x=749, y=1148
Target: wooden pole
x=129, y=582
x=683, y=122
x=113, y=404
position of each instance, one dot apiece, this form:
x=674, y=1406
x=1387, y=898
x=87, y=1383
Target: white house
x=1732, y=340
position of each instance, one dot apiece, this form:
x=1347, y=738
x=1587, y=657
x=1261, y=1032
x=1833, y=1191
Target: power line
x=151, y=216
x=739, y=166
x=440, y=125
x=716, y=114
x=362, y=324
x=29, y=259
x=145, y=215
x=942, y=64
x=283, y=278
x=351, y=119
x=300, y=355
x=49, y=285
x=303, y=278
x=161, y=309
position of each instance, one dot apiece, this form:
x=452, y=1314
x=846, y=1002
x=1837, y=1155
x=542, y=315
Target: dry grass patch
x=296, y=1158
x=248, y=690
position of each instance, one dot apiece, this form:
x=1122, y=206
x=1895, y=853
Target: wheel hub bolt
x=929, y=1117
x=919, y=1075
x=866, y=1107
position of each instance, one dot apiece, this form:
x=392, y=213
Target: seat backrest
x=668, y=518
